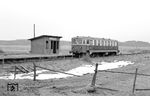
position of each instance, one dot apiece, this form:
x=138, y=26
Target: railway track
x=14, y=60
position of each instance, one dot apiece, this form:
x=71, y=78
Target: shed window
x=47, y=45
x=52, y=44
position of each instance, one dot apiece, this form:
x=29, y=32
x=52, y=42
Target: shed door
x=53, y=46
x=54, y=50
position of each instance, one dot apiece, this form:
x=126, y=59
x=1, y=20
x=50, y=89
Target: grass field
x=127, y=49
x=12, y=49
x=64, y=49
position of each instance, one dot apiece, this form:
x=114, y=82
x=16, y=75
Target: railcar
x=94, y=46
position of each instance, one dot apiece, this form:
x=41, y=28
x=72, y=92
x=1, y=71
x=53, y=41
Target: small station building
x=45, y=44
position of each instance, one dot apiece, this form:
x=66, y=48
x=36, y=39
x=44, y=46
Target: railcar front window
x=76, y=41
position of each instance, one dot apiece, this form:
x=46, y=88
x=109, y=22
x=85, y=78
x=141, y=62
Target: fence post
x=3, y=61
x=34, y=69
x=134, y=80
x=15, y=73
x=94, y=76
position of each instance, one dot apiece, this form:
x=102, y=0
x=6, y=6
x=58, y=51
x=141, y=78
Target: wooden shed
x=45, y=44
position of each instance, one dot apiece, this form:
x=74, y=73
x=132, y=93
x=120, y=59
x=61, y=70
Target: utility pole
x=34, y=30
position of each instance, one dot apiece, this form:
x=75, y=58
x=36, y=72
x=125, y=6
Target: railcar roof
x=88, y=37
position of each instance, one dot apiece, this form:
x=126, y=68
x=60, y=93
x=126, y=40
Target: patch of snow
x=84, y=69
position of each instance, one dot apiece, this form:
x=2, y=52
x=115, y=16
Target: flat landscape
x=75, y=48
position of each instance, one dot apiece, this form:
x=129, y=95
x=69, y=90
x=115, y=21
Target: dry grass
x=130, y=50
x=107, y=82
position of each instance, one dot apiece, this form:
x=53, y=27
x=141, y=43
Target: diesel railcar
x=94, y=46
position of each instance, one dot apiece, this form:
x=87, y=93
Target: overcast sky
x=122, y=20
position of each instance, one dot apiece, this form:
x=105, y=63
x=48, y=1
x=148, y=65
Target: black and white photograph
x=74, y=48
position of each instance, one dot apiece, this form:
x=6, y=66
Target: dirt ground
x=107, y=84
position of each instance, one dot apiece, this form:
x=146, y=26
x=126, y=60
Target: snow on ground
x=84, y=69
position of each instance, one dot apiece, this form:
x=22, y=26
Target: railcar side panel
x=81, y=45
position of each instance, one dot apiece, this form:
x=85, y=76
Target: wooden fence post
x=3, y=62
x=34, y=68
x=15, y=73
x=134, y=80
x=94, y=76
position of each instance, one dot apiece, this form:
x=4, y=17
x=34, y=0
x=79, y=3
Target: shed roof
x=44, y=36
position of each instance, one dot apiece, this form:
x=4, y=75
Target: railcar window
x=98, y=42
x=91, y=42
x=112, y=43
x=94, y=42
x=109, y=43
x=103, y=43
x=115, y=43
x=87, y=42
x=84, y=41
x=106, y=43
